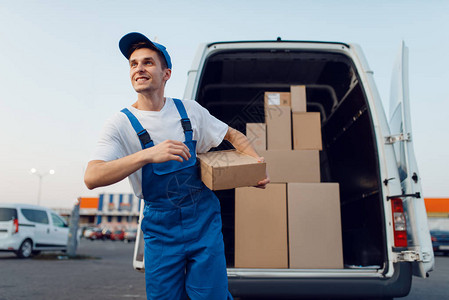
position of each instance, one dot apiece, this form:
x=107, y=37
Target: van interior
x=232, y=88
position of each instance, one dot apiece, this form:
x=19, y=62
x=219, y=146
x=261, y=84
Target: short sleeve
x=109, y=146
x=210, y=130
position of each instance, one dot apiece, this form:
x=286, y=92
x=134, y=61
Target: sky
x=62, y=74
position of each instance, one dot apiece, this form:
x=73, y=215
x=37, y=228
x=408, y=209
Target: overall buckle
x=186, y=125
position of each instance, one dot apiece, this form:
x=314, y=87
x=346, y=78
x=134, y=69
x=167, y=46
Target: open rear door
x=139, y=247
x=400, y=125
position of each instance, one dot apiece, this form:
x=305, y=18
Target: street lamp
x=40, y=175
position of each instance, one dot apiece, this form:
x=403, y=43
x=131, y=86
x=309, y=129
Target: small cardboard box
x=257, y=135
x=222, y=170
x=277, y=98
x=314, y=226
x=292, y=165
x=279, y=127
x=298, y=98
x=306, y=131
x=261, y=227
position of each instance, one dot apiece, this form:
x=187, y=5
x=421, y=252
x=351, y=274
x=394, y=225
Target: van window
x=7, y=214
x=57, y=221
x=34, y=215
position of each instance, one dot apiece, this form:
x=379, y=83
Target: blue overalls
x=184, y=251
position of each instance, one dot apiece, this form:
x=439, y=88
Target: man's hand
x=102, y=173
x=263, y=183
x=167, y=150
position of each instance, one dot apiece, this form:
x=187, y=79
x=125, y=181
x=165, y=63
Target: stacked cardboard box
x=297, y=216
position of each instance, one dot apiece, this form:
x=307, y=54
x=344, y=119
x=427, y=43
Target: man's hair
x=140, y=45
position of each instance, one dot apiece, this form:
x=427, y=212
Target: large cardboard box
x=306, y=131
x=314, y=226
x=279, y=123
x=298, y=98
x=261, y=227
x=292, y=165
x=277, y=98
x=257, y=135
x=221, y=170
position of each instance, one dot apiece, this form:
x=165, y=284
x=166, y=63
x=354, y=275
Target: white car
x=28, y=229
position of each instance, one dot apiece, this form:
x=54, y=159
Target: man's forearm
x=102, y=173
x=240, y=142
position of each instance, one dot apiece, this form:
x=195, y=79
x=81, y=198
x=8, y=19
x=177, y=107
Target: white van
x=28, y=229
x=384, y=223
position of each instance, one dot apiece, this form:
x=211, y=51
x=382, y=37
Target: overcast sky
x=62, y=75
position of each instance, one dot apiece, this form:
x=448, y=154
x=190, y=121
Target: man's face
x=146, y=71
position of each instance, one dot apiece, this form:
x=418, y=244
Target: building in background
x=110, y=210
x=437, y=213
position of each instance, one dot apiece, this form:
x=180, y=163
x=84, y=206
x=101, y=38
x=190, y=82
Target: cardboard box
x=292, y=165
x=314, y=226
x=222, y=170
x=279, y=127
x=277, y=98
x=261, y=227
x=298, y=98
x=306, y=131
x=257, y=135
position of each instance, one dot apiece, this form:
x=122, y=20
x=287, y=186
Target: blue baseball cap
x=134, y=37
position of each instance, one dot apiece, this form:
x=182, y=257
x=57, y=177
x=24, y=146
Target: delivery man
x=154, y=142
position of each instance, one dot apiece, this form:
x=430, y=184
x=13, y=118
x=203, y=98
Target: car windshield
x=7, y=214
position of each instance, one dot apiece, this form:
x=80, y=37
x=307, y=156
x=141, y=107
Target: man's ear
x=167, y=74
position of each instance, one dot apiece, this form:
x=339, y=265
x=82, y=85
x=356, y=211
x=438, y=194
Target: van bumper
x=9, y=244
x=396, y=286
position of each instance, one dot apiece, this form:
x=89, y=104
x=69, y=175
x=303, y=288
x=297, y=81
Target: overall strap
x=185, y=121
x=144, y=136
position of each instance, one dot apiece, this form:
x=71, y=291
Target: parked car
x=130, y=235
x=28, y=229
x=370, y=155
x=106, y=233
x=87, y=232
x=440, y=241
x=118, y=235
x=93, y=233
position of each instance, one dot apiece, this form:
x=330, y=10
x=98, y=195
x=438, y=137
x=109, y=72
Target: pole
x=41, y=176
x=39, y=189
x=73, y=231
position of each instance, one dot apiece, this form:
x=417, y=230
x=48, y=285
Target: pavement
x=104, y=271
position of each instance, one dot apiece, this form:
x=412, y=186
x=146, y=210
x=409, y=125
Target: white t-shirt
x=119, y=139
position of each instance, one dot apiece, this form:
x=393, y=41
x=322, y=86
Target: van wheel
x=25, y=249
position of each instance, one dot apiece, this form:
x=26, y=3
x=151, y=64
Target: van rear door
x=7, y=217
x=401, y=137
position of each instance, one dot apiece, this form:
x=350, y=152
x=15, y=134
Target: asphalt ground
x=105, y=271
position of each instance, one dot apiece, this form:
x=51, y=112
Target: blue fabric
x=184, y=250
x=131, y=38
x=144, y=136
x=183, y=114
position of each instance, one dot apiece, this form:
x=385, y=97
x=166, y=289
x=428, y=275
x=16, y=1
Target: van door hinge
x=391, y=139
x=415, y=195
x=408, y=256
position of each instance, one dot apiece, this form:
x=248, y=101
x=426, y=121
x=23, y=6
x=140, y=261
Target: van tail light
x=399, y=223
x=16, y=225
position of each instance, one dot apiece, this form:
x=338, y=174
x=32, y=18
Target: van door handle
x=48, y=230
